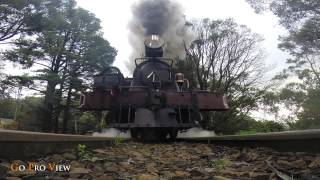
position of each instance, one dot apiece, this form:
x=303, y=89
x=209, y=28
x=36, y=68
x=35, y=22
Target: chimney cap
x=154, y=41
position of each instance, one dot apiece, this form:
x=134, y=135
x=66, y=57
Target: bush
x=309, y=118
x=262, y=127
x=229, y=123
x=88, y=122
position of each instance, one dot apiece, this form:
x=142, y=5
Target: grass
x=249, y=132
x=117, y=140
x=83, y=153
x=220, y=163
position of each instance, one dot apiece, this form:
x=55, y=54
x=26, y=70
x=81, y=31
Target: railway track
x=188, y=158
x=23, y=144
x=290, y=141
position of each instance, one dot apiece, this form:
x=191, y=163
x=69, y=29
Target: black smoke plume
x=162, y=17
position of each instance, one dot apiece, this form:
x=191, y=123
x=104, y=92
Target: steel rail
x=25, y=144
x=290, y=141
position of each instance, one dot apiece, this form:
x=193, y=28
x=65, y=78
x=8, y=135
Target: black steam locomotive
x=156, y=102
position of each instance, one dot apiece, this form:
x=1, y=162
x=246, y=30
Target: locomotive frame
x=155, y=103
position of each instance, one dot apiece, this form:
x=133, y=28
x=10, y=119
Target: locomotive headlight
x=154, y=41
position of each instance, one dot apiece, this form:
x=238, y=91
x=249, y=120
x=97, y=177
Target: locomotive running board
x=105, y=100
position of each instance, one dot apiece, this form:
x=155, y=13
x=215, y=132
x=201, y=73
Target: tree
x=63, y=49
x=16, y=17
x=28, y=112
x=7, y=108
x=252, y=126
x=187, y=68
x=304, y=45
x=223, y=54
x=290, y=12
x=19, y=16
x=3, y=86
x=226, y=59
x=309, y=118
x=301, y=19
x=88, y=122
x=97, y=55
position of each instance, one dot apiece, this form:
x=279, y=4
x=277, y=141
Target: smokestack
x=161, y=17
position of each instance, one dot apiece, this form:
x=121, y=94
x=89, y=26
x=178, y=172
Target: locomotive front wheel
x=173, y=134
x=151, y=135
x=134, y=133
x=148, y=135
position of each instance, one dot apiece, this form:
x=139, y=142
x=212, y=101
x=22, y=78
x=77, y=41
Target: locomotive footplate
x=134, y=125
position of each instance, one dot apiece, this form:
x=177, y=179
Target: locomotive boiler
x=156, y=102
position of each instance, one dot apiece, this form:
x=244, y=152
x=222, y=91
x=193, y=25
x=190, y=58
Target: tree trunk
x=48, y=107
x=66, y=110
x=56, y=113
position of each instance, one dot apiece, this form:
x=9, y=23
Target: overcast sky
x=115, y=15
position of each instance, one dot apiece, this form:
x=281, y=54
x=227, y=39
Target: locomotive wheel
x=151, y=135
x=148, y=135
x=134, y=133
x=162, y=135
x=173, y=134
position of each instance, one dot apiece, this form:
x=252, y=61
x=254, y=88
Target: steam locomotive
x=156, y=102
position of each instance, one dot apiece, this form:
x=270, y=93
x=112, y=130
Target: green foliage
x=266, y=126
x=242, y=124
x=68, y=49
x=225, y=58
x=7, y=107
x=303, y=103
x=220, y=163
x=83, y=153
x=290, y=12
x=227, y=122
x=28, y=113
x=10, y=85
x=26, y=110
x=88, y=122
x=301, y=19
x=236, y=118
x=187, y=68
x=309, y=118
x=5, y=89
x=303, y=45
x=117, y=140
x=248, y=132
x=19, y=17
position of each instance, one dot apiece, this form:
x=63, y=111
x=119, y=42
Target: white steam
x=196, y=132
x=112, y=132
x=193, y=132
